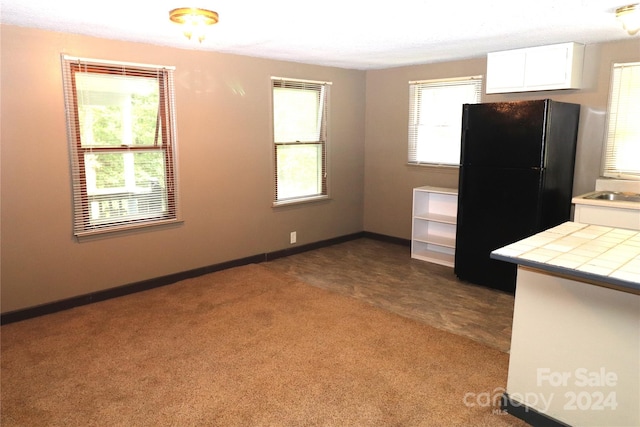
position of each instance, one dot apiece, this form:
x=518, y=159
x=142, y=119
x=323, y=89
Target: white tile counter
x=606, y=255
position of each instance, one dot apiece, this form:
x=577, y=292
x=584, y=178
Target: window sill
x=299, y=201
x=434, y=165
x=86, y=236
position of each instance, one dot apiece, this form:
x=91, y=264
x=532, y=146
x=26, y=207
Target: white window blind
x=435, y=118
x=300, y=139
x=122, y=144
x=622, y=153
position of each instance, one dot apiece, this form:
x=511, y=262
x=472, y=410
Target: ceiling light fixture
x=195, y=20
x=630, y=17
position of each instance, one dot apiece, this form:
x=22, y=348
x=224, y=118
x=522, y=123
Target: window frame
x=629, y=113
x=415, y=107
x=322, y=87
x=83, y=225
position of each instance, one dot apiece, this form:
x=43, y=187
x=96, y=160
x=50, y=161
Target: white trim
x=106, y=61
x=84, y=236
x=300, y=200
x=301, y=80
x=453, y=79
x=435, y=165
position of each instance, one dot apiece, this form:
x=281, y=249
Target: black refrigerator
x=515, y=180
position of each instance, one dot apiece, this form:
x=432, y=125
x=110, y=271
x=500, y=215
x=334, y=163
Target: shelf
x=436, y=257
x=448, y=242
x=445, y=219
x=440, y=190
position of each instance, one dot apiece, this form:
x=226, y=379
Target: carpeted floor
x=244, y=347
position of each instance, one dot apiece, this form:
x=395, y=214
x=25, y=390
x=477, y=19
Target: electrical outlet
x=293, y=237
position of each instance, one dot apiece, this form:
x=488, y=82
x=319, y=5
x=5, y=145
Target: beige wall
x=389, y=180
x=225, y=168
x=224, y=158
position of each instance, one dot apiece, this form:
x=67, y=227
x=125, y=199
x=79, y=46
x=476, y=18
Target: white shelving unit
x=433, y=232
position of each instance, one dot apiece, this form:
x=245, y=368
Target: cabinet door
x=547, y=67
x=505, y=71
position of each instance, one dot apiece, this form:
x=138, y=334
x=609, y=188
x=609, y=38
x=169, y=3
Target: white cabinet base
x=575, y=348
x=607, y=216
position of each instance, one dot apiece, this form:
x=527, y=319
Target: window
x=300, y=139
x=622, y=153
x=435, y=118
x=120, y=127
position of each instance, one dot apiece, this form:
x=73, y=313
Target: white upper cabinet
x=551, y=67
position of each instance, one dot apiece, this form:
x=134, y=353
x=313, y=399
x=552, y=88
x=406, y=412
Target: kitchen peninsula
x=575, y=346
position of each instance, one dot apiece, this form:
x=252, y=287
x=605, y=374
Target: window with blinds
x=622, y=152
x=300, y=139
x=121, y=133
x=435, y=118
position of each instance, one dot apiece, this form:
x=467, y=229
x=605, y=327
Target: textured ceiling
x=343, y=33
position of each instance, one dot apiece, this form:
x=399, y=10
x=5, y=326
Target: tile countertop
x=606, y=255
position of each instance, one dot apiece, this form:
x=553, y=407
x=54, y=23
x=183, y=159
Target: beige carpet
x=243, y=347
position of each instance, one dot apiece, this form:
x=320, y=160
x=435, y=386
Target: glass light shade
x=194, y=20
x=630, y=17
